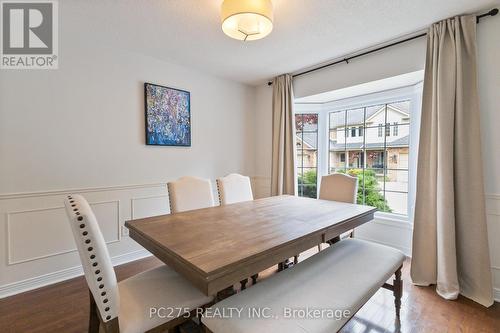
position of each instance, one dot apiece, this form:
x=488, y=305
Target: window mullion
x=385, y=149
x=364, y=153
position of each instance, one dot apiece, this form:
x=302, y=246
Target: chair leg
x=93, y=318
x=398, y=291
x=244, y=284
x=319, y=247
x=254, y=278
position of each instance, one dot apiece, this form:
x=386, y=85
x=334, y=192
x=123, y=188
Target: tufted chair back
x=99, y=272
x=234, y=188
x=188, y=193
x=339, y=187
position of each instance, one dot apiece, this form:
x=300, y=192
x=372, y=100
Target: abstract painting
x=168, y=116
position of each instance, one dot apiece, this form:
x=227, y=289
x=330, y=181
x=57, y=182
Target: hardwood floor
x=63, y=307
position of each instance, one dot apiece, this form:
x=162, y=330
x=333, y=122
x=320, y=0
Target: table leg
x=225, y=293
x=244, y=284
x=334, y=240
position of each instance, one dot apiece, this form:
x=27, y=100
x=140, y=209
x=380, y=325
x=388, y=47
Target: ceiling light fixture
x=247, y=19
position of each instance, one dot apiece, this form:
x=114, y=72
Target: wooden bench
x=319, y=294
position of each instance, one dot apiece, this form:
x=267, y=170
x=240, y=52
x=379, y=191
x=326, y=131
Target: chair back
x=234, y=188
x=96, y=262
x=339, y=187
x=188, y=193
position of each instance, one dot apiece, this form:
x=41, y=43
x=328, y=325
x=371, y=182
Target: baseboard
x=62, y=275
x=496, y=294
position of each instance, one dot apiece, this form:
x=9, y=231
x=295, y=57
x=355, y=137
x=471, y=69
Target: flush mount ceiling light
x=247, y=19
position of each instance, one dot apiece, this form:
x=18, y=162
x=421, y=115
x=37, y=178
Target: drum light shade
x=247, y=19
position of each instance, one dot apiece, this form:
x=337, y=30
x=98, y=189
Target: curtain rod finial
x=269, y=83
x=494, y=11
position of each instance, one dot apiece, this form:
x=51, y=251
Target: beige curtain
x=450, y=244
x=283, y=162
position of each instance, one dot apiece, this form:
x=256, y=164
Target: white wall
x=399, y=60
x=81, y=129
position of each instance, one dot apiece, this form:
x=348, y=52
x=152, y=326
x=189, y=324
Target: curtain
x=283, y=172
x=450, y=244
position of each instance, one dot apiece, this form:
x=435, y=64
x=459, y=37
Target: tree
x=308, y=184
x=302, y=119
x=371, y=191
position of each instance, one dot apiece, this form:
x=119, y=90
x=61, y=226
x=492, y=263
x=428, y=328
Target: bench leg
x=398, y=290
x=243, y=284
x=254, y=278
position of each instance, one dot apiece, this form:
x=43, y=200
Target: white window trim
x=412, y=93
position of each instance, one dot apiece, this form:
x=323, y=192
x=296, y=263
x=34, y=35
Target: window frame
x=413, y=93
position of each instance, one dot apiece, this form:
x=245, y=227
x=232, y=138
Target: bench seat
x=342, y=277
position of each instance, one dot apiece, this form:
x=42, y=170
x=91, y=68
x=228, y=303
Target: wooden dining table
x=217, y=247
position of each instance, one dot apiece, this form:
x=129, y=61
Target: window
x=380, y=162
x=353, y=132
x=306, y=126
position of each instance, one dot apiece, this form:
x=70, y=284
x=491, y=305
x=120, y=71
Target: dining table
x=217, y=247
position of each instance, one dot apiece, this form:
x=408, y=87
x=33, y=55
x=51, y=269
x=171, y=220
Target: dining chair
x=235, y=188
x=188, y=193
x=125, y=306
x=339, y=187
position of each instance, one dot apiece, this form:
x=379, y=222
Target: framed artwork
x=168, y=116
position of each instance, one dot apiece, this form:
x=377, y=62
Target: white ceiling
x=306, y=32
x=403, y=80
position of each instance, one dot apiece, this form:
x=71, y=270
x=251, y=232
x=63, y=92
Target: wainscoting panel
x=493, y=217
x=396, y=234
x=39, y=247
x=44, y=223
x=261, y=186
x=149, y=206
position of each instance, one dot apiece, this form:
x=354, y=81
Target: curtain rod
x=492, y=12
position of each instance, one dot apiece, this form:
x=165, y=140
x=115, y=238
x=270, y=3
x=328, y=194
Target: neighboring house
x=307, y=152
x=355, y=142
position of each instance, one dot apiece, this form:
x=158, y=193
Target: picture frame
x=167, y=116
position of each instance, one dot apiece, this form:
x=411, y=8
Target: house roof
x=309, y=139
x=401, y=142
x=356, y=116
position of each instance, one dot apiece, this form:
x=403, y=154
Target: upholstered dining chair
x=235, y=188
x=188, y=193
x=339, y=187
x=125, y=306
